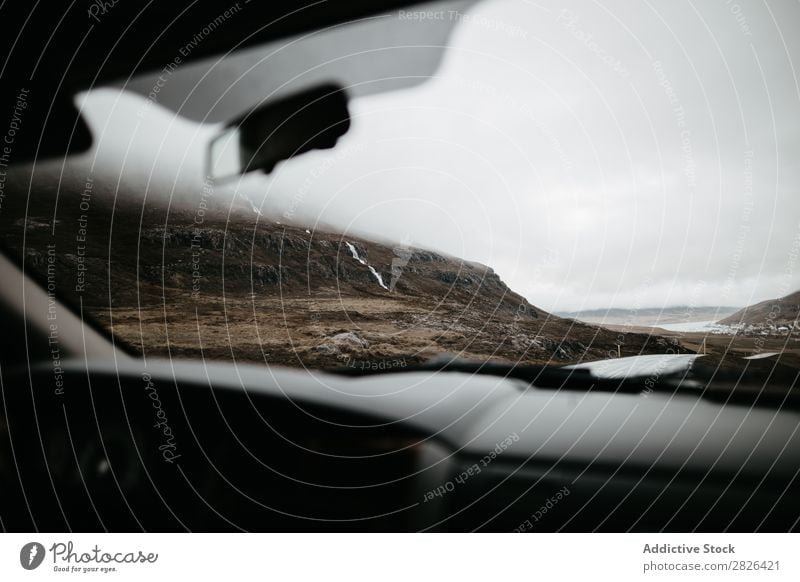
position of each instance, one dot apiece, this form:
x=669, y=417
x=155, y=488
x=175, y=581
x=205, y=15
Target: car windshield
x=556, y=192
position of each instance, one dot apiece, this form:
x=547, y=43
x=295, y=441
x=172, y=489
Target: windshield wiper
x=538, y=376
x=708, y=382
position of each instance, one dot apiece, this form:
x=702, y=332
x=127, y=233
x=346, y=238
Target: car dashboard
x=203, y=446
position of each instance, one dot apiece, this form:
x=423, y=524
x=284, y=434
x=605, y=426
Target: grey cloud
x=563, y=141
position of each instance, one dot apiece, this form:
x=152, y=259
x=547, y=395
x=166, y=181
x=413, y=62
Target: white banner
x=400, y=557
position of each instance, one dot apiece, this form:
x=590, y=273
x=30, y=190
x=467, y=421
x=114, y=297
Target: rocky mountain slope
x=198, y=282
x=782, y=312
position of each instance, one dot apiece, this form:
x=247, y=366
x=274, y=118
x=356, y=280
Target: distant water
x=690, y=326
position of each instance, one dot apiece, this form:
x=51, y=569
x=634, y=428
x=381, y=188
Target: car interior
x=98, y=435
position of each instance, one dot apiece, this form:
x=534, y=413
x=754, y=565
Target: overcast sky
x=610, y=154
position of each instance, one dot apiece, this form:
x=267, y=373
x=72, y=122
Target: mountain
x=651, y=316
x=782, y=312
x=214, y=283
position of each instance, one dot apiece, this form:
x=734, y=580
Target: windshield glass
x=569, y=186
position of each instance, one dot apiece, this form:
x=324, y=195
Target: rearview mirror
x=279, y=130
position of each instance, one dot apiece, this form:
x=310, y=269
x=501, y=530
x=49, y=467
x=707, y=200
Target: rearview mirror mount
x=279, y=130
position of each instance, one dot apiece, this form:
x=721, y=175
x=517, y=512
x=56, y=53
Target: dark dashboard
x=129, y=447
